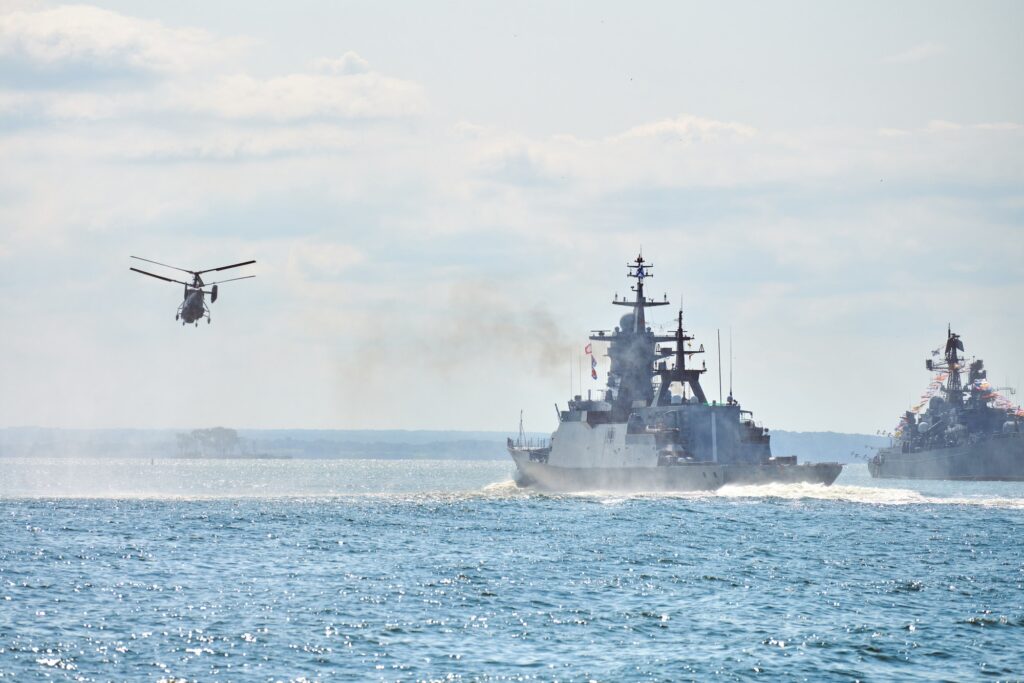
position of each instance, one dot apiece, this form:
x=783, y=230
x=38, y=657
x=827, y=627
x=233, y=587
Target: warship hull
x=699, y=476
x=997, y=459
x=808, y=473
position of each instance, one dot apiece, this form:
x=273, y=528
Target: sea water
x=168, y=570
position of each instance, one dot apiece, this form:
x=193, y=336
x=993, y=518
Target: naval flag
x=587, y=349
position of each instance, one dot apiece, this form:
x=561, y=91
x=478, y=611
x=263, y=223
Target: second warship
x=640, y=435
x=968, y=432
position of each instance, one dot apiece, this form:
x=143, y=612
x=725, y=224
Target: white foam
x=868, y=495
x=503, y=488
x=852, y=494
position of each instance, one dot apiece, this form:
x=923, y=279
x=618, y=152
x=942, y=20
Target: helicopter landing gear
x=197, y=324
x=176, y=316
x=207, y=321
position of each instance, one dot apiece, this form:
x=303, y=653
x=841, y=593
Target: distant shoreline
x=385, y=444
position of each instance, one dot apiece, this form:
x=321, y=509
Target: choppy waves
x=449, y=571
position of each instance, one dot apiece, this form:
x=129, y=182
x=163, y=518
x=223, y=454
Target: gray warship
x=639, y=435
x=968, y=432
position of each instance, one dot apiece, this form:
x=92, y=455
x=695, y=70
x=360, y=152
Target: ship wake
x=867, y=495
x=861, y=494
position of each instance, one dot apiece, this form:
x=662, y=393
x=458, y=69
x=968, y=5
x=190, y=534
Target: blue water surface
x=374, y=570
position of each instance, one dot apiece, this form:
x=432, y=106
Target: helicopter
x=193, y=308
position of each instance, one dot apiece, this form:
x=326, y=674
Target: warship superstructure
x=652, y=428
x=957, y=430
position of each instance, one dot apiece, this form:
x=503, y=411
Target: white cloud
x=307, y=96
x=679, y=151
x=240, y=144
x=999, y=126
x=348, y=64
x=85, y=37
x=687, y=129
x=60, y=105
x=318, y=261
x=298, y=98
x=939, y=126
x=293, y=97
x=918, y=53
x=14, y=103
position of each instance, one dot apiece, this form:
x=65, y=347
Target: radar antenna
x=639, y=270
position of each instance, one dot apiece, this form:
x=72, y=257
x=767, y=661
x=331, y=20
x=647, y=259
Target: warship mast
x=954, y=389
x=639, y=270
x=632, y=346
x=679, y=372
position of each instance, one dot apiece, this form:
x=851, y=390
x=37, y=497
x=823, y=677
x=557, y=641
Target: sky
x=442, y=197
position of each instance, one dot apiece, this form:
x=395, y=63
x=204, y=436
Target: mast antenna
x=571, y=385
x=719, y=333
x=730, y=361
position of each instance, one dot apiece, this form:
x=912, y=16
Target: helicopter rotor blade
x=192, y=272
x=233, y=265
x=160, y=277
x=244, y=277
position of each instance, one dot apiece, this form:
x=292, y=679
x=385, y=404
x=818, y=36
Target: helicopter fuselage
x=193, y=307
